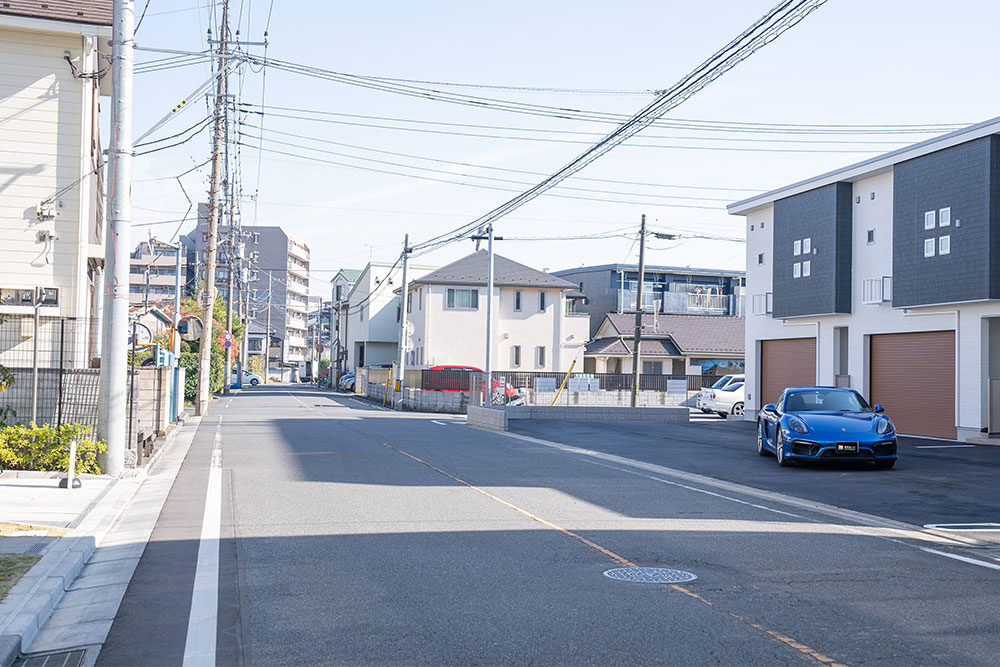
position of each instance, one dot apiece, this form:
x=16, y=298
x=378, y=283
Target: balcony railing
x=715, y=304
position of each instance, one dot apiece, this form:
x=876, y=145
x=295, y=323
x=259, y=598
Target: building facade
x=884, y=276
x=153, y=272
x=51, y=169
x=536, y=326
x=612, y=288
x=342, y=284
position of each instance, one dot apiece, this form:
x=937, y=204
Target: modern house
x=370, y=313
x=342, y=284
x=674, y=290
x=536, y=324
x=670, y=345
x=153, y=272
x=884, y=276
x=54, y=59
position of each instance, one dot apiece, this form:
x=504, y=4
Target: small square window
x=807, y=246
x=760, y=259
x=796, y=270
x=871, y=237
x=929, y=220
x=944, y=245
x=929, y=248
x=872, y=196
x=797, y=248
x=806, y=269
x=944, y=217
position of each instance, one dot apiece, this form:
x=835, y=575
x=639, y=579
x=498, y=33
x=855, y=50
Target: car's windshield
x=825, y=400
x=722, y=382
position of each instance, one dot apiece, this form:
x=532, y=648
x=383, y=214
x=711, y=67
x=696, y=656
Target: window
x=540, y=356
x=871, y=237
x=797, y=248
x=256, y=238
x=929, y=248
x=929, y=220
x=760, y=259
x=796, y=270
x=652, y=368
x=517, y=300
x=409, y=305
x=806, y=268
x=944, y=217
x=761, y=304
x=807, y=246
x=420, y=305
x=944, y=245
x=463, y=298
x=541, y=301
x=876, y=290
x=253, y=313
x=515, y=353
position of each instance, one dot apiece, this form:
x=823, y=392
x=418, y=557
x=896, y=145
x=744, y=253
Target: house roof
x=869, y=167
x=350, y=275
x=473, y=269
x=693, y=334
x=620, y=347
x=93, y=12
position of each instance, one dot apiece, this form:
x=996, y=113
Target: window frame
x=930, y=219
x=517, y=301
x=944, y=245
x=540, y=356
x=451, y=298
x=796, y=270
x=515, y=353
x=944, y=217
x=541, y=302
x=807, y=268
x=930, y=247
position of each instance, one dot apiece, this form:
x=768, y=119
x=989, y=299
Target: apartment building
x=153, y=272
x=670, y=290
x=884, y=276
x=52, y=217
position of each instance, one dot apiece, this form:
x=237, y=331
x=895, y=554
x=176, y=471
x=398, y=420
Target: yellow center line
x=803, y=650
x=299, y=400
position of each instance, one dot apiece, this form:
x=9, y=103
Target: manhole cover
x=650, y=575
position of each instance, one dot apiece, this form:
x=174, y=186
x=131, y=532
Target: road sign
x=320, y=348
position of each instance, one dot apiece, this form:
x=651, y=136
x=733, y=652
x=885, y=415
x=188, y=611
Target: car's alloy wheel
x=738, y=409
x=761, y=450
x=780, y=451
x=253, y=382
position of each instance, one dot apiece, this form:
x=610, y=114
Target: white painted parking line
x=203, y=622
x=942, y=446
x=964, y=559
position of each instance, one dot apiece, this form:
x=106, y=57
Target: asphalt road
x=354, y=535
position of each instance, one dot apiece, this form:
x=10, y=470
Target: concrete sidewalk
x=70, y=597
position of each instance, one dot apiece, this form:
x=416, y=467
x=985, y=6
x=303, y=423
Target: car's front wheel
x=254, y=382
x=761, y=450
x=779, y=449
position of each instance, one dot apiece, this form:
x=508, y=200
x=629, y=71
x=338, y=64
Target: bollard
x=64, y=483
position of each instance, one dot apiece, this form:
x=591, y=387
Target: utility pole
x=267, y=330
x=403, y=320
x=637, y=339
x=330, y=378
x=208, y=294
x=230, y=255
x=111, y=406
x=176, y=347
x=488, y=387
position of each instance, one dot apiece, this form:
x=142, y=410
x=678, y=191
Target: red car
x=459, y=378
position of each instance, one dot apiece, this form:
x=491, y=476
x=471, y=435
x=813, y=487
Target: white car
x=249, y=378
x=726, y=401
x=702, y=401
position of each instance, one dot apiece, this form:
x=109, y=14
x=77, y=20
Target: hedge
x=47, y=448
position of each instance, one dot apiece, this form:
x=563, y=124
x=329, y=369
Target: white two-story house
x=884, y=276
x=535, y=323
x=53, y=72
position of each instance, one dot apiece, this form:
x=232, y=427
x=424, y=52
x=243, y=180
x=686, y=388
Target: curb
x=31, y=601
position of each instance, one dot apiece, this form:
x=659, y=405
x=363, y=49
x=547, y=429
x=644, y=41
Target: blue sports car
x=825, y=424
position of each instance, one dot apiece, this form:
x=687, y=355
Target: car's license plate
x=847, y=448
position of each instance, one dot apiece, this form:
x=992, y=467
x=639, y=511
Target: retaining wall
x=497, y=419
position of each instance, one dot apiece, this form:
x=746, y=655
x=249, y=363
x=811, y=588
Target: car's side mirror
x=879, y=408
x=771, y=409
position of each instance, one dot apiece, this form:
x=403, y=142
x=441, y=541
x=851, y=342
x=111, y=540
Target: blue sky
x=851, y=62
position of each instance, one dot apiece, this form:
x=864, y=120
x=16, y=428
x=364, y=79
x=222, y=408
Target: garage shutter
x=913, y=377
x=786, y=363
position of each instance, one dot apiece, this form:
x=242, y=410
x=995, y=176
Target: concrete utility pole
x=230, y=255
x=403, y=320
x=176, y=347
x=111, y=405
x=637, y=339
x=208, y=294
x=267, y=331
x=330, y=377
x=488, y=387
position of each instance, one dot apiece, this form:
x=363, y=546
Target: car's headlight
x=797, y=425
x=883, y=425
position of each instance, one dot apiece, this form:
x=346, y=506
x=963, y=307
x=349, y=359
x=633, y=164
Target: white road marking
x=203, y=622
x=942, y=446
x=964, y=559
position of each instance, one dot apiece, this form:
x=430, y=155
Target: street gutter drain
x=650, y=575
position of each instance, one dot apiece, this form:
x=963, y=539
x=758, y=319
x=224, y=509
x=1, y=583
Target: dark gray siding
x=959, y=178
x=824, y=216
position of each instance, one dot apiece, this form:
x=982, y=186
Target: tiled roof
x=350, y=275
x=693, y=334
x=94, y=12
x=617, y=347
x=473, y=269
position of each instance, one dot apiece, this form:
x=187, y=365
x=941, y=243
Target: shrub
x=47, y=448
x=189, y=362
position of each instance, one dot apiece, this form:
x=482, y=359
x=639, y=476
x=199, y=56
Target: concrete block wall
x=584, y=413
x=621, y=398
x=493, y=419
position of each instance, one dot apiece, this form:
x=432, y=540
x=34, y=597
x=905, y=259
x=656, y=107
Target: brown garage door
x=913, y=377
x=786, y=363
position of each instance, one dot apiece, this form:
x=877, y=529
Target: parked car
x=346, y=382
x=719, y=384
x=463, y=378
x=726, y=401
x=249, y=378
x=826, y=423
